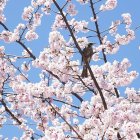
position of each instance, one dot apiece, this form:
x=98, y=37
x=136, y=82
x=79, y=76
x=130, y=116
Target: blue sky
x=131, y=51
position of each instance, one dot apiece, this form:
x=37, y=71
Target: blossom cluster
x=83, y=1
x=121, y=117
x=8, y=36
x=71, y=9
x=115, y=74
x=109, y=5
x=2, y=6
x=119, y=39
x=63, y=105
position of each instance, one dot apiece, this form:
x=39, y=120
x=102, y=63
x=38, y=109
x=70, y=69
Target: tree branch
x=32, y=56
x=65, y=120
x=100, y=38
x=80, y=51
x=10, y=113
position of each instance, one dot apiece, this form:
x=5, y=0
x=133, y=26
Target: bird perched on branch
x=87, y=52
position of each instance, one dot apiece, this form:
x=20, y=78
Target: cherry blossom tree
x=55, y=108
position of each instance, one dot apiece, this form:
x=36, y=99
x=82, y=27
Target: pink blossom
x=31, y=35
x=109, y=5
x=127, y=19
x=26, y=15
x=71, y=9
x=83, y=1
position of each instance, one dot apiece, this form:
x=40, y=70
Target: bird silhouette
x=87, y=52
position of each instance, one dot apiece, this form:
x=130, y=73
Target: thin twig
x=65, y=120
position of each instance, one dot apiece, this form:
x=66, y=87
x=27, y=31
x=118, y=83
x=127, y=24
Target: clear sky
x=131, y=51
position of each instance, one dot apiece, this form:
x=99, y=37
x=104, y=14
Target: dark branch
x=80, y=51
x=10, y=113
x=65, y=120
x=97, y=29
